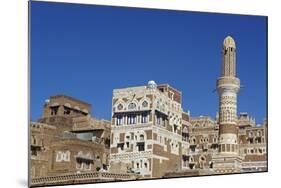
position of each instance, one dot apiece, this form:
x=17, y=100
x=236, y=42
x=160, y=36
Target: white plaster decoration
x=62, y=156
x=228, y=138
x=174, y=147
x=141, y=166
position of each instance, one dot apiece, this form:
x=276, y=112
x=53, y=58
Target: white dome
x=47, y=101
x=151, y=84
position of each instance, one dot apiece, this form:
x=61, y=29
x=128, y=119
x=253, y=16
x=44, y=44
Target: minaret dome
x=229, y=42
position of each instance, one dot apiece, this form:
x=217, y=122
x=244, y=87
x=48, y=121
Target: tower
x=228, y=86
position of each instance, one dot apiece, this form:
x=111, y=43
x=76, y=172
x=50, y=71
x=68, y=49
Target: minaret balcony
x=228, y=83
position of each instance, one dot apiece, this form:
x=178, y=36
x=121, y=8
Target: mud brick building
x=68, y=140
x=152, y=136
x=149, y=135
x=146, y=130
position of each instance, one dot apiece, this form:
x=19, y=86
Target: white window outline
x=132, y=106
x=120, y=106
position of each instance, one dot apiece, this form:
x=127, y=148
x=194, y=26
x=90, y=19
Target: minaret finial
x=229, y=42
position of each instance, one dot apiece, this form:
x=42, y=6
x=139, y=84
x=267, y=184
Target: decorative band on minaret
x=228, y=86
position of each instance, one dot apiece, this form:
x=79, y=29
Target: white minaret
x=228, y=86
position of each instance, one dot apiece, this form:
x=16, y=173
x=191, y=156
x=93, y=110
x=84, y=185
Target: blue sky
x=86, y=51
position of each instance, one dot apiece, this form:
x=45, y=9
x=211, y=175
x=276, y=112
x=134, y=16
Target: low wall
x=91, y=177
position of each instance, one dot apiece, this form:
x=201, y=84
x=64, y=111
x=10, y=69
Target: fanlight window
x=144, y=104
x=191, y=159
x=202, y=158
x=120, y=107
x=141, y=137
x=132, y=106
x=185, y=130
x=192, y=140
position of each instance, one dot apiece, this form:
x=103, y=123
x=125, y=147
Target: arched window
x=202, y=161
x=132, y=106
x=145, y=165
x=215, y=139
x=211, y=164
x=191, y=160
x=120, y=107
x=144, y=104
x=185, y=130
x=194, y=140
x=185, y=134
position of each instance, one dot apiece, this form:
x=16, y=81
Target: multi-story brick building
x=204, y=144
x=252, y=144
x=149, y=135
x=150, y=129
x=68, y=141
x=146, y=131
